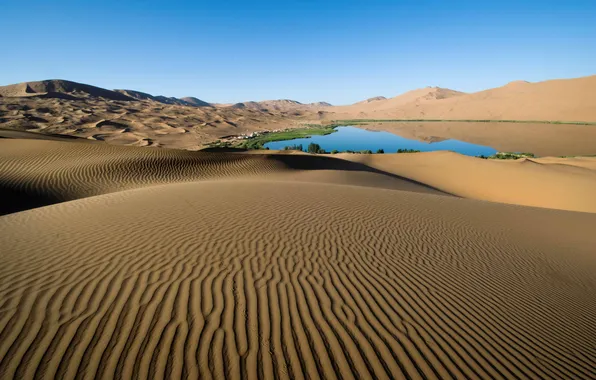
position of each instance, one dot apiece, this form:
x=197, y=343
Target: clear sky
x=339, y=51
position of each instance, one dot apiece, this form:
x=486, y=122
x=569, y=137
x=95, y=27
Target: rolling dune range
x=551, y=100
x=175, y=264
x=129, y=117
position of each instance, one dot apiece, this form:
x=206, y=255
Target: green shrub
x=315, y=148
x=408, y=151
x=511, y=156
x=294, y=147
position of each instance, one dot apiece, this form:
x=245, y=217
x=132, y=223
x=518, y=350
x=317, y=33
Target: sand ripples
x=248, y=278
x=35, y=173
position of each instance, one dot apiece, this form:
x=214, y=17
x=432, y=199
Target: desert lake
x=357, y=139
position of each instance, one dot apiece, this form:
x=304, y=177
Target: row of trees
x=316, y=149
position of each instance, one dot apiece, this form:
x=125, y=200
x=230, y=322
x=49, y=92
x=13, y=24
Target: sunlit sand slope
x=559, y=183
x=251, y=278
x=35, y=173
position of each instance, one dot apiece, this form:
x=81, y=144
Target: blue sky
x=309, y=50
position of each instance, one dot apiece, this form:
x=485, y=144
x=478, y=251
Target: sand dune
x=33, y=173
x=158, y=124
x=127, y=262
x=558, y=183
x=75, y=109
x=251, y=278
x=37, y=172
x=563, y=100
x=380, y=104
x=58, y=86
x=283, y=105
x=196, y=102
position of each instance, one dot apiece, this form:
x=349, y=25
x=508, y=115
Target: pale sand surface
x=561, y=99
x=162, y=263
x=558, y=183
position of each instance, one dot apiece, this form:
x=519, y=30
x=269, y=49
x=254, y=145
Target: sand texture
x=173, y=264
x=128, y=117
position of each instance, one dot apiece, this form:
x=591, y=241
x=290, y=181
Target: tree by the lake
x=294, y=147
x=315, y=148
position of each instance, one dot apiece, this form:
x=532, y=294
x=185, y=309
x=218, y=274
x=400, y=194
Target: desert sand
x=134, y=262
x=552, y=100
x=129, y=117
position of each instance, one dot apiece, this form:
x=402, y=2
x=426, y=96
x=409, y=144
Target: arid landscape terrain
x=126, y=252
x=128, y=117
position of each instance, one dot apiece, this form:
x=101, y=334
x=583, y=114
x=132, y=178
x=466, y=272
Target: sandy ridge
x=551, y=100
x=34, y=173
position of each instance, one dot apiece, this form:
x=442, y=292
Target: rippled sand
x=159, y=263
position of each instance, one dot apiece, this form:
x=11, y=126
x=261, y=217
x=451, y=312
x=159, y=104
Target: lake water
x=357, y=139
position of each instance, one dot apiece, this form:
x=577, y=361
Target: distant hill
x=283, y=105
x=136, y=94
x=55, y=87
x=64, y=89
x=321, y=104
x=381, y=104
x=247, y=105
x=553, y=100
x=195, y=101
x=188, y=101
x=370, y=100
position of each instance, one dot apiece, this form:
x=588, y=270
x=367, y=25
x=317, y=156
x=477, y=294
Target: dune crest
x=552, y=100
x=59, y=86
x=33, y=172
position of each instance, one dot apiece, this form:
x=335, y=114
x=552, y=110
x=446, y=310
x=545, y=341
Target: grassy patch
x=508, y=156
x=258, y=142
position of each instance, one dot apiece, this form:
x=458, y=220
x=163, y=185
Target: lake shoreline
x=359, y=139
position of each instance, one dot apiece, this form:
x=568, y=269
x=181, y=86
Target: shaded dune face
x=250, y=278
x=36, y=173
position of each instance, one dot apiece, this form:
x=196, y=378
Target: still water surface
x=357, y=139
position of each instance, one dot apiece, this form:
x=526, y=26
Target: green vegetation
x=294, y=147
x=507, y=156
x=380, y=151
x=259, y=141
x=365, y=121
x=315, y=149
x=219, y=144
x=408, y=151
